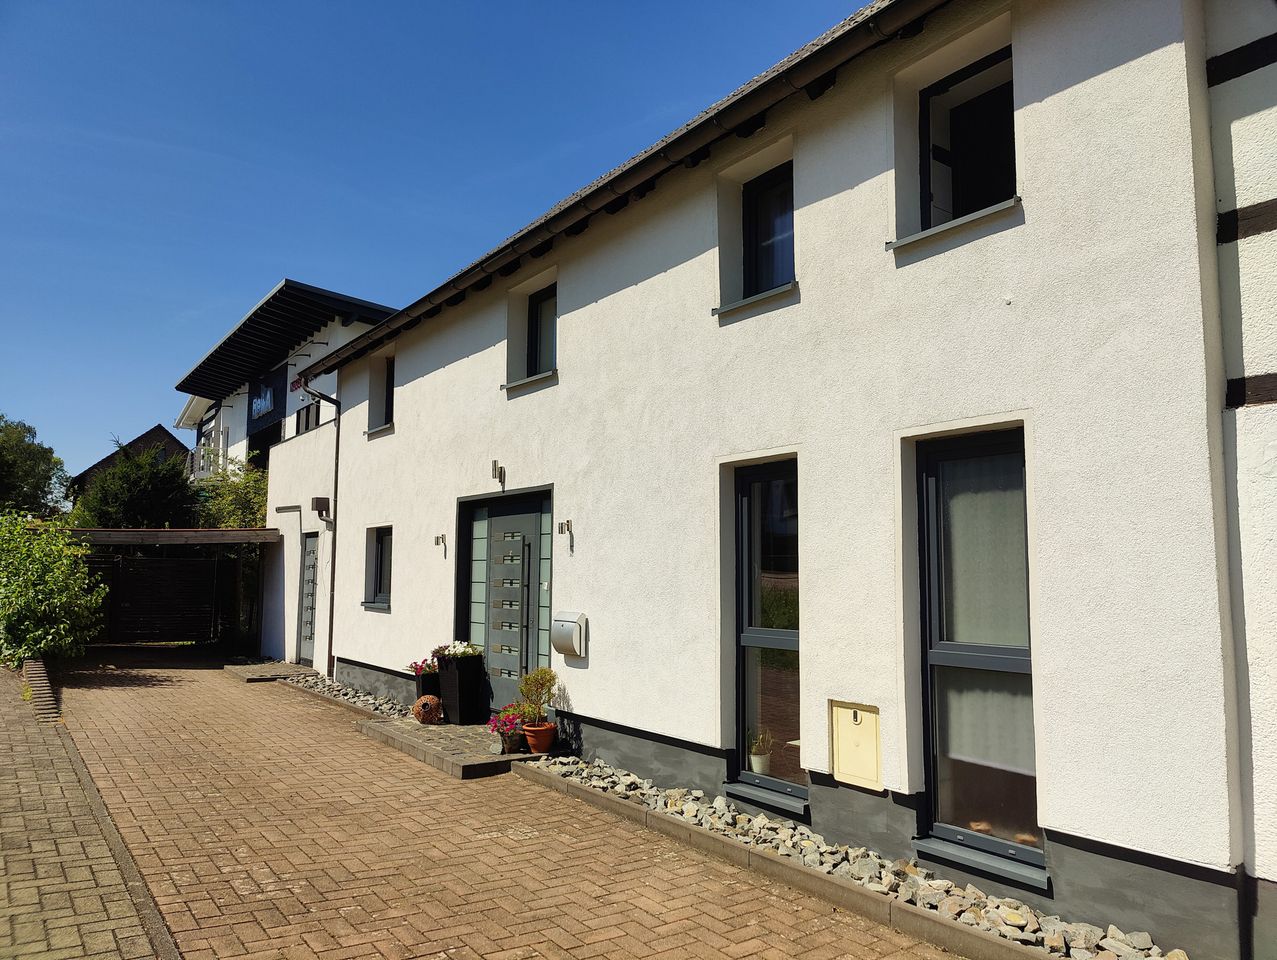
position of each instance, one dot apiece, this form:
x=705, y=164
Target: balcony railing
x=203, y=462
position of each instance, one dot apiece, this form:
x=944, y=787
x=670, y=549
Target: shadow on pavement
x=132, y=665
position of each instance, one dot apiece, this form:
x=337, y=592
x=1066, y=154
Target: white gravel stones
x=902, y=879
x=386, y=706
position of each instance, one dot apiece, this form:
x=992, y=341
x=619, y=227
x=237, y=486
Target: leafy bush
x=234, y=496
x=49, y=601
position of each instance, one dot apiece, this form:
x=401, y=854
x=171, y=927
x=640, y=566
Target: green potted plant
x=463, y=687
x=537, y=690
x=426, y=673
x=760, y=751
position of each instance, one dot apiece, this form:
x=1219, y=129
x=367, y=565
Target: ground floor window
x=977, y=662
x=767, y=618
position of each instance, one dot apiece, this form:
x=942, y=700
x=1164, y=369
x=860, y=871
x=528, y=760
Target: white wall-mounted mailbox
x=567, y=633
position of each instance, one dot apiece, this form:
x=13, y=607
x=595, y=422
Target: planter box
x=427, y=685
x=463, y=688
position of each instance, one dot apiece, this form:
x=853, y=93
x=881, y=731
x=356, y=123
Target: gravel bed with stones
x=386, y=706
x=902, y=879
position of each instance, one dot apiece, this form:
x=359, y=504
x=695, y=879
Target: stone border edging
x=914, y=921
x=335, y=701
x=43, y=699
x=148, y=911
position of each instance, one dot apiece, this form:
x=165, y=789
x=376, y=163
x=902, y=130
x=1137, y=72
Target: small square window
x=966, y=129
x=543, y=319
x=767, y=230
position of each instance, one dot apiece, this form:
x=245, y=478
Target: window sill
x=756, y=298
x=796, y=807
x=381, y=431
x=954, y=224
x=376, y=605
x=1024, y=875
x=517, y=385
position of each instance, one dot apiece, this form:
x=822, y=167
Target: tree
x=32, y=479
x=147, y=489
x=49, y=600
x=234, y=496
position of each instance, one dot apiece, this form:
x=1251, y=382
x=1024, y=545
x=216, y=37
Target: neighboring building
x=158, y=436
x=887, y=394
x=244, y=396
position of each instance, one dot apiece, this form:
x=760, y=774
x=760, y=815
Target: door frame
x=461, y=563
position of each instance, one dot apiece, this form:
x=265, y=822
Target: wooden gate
x=158, y=599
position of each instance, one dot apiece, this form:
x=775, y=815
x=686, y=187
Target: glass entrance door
x=978, y=675
x=509, y=589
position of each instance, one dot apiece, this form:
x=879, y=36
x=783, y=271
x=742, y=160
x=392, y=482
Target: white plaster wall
x=328, y=339
x=1253, y=460
x=1234, y=23
x=1083, y=313
x=300, y=468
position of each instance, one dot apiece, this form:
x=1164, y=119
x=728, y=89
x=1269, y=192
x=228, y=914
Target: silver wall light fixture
x=565, y=526
x=498, y=473
x=441, y=540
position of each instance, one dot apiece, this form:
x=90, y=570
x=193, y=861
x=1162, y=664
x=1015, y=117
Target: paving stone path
x=267, y=827
x=64, y=892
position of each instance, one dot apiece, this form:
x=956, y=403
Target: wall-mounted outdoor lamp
x=498, y=473
x=323, y=507
x=565, y=526
x=441, y=540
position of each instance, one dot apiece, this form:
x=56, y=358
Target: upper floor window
x=543, y=318
x=767, y=230
x=967, y=137
x=381, y=393
x=307, y=418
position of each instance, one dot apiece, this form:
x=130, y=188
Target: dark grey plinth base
x=376, y=680
x=1264, y=929
x=667, y=762
x=881, y=821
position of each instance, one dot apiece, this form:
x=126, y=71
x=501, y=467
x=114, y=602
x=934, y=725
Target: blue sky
x=164, y=164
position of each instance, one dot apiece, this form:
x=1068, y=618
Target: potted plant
x=760, y=751
x=463, y=686
x=508, y=724
x=427, y=675
x=537, y=690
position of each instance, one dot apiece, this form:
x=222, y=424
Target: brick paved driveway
x=266, y=826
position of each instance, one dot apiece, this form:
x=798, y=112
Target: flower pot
x=514, y=742
x=540, y=736
x=427, y=685
x=760, y=763
x=463, y=688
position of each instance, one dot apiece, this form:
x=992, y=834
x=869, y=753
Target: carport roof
x=287, y=316
x=103, y=536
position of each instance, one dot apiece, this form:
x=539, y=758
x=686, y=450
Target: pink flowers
x=418, y=667
x=507, y=719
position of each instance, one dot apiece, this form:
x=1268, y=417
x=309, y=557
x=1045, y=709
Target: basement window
x=966, y=132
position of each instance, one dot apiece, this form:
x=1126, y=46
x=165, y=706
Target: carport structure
x=181, y=585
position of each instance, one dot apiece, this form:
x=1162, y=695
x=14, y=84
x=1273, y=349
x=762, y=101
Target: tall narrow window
x=543, y=316
x=966, y=127
x=768, y=694
x=767, y=228
x=982, y=773
x=388, y=396
x=379, y=562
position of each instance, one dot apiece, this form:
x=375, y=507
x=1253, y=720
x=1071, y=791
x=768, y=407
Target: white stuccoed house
x=907, y=420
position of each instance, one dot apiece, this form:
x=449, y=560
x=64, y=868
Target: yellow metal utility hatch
x=854, y=742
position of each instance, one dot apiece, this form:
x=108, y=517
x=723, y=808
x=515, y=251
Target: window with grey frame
x=767, y=230
x=977, y=676
x=543, y=321
x=380, y=559
x=767, y=627
x=966, y=131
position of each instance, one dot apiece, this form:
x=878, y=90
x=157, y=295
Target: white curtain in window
x=986, y=718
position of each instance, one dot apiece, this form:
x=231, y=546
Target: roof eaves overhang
x=265, y=337
x=810, y=70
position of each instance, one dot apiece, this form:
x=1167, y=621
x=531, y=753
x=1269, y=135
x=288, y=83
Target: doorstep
x=913, y=921
x=462, y=751
x=261, y=672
